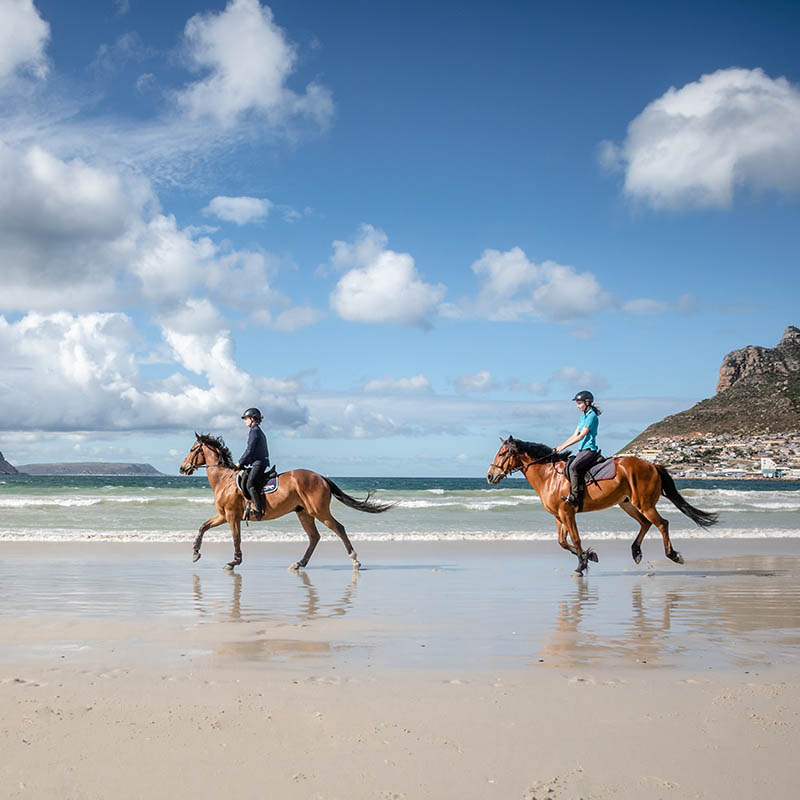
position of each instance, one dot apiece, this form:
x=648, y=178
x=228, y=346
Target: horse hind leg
x=644, y=526
x=671, y=553
x=310, y=527
x=331, y=522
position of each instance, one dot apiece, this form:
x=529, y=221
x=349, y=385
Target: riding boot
x=258, y=508
x=575, y=498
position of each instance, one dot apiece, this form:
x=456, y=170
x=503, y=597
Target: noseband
x=193, y=463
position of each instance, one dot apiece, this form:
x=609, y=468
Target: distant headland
x=100, y=468
x=749, y=428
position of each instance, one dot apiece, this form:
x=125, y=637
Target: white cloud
x=475, y=382
x=383, y=286
x=240, y=210
x=23, y=38
x=81, y=372
x=248, y=60
x=417, y=383
x=695, y=146
x=513, y=288
x=63, y=229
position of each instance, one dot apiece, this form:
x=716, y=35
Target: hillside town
x=725, y=455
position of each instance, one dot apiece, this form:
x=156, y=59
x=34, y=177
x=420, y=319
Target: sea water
x=170, y=509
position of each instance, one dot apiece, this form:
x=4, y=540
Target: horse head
x=506, y=461
x=195, y=458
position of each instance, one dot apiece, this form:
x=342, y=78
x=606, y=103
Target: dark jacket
x=256, y=450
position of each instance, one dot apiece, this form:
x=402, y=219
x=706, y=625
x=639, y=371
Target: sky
x=401, y=230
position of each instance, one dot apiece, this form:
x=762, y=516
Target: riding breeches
x=579, y=466
x=255, y=482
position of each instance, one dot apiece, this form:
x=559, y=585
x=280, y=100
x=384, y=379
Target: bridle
x=520, y=467
x=196, y=454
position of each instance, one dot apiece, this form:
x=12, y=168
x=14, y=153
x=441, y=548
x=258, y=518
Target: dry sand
x=471, y=670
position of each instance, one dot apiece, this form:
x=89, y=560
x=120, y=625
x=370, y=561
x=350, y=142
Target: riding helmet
x=254, y=413
x=584, y=395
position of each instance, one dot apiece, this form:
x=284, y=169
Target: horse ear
x=197, y=436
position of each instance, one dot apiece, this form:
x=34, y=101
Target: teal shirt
x=589, y=420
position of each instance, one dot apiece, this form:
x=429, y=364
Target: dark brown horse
x=636, y=489
x=302, y=491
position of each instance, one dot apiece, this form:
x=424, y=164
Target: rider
x=255, y=456
x=588, y=452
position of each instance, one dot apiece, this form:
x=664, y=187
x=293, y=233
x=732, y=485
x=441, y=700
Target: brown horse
x=636, y=489
x=302, y=491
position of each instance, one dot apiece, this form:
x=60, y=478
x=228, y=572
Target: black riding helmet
x=584, y=395
x=254, y=413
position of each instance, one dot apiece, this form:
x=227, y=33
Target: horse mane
x=538, y=452
x=217, y=443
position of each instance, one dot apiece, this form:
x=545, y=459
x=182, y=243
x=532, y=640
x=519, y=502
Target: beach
x=475, y=669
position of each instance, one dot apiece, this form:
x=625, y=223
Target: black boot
x=575, y=498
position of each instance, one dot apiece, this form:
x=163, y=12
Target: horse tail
x=704, y=519
x=370, y=507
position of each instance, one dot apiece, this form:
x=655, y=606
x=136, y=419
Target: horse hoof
x=295, y=567
x=636, y=553
x=675, y=556
x=356, y=565
x=229, y=566
x=195, y=556
x=592, y=556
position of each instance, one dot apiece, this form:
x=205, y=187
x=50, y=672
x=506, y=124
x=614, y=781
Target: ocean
x=171, y=509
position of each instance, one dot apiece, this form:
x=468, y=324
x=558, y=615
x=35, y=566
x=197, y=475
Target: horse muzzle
x=494, y=475
x=186, y=470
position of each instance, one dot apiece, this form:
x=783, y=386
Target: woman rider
x=588, y=452
x=255, y=456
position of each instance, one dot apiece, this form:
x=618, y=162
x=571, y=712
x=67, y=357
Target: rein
x=521, y=468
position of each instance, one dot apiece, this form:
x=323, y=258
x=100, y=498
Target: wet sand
x=476, y=670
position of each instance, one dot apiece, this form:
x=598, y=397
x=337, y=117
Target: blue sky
x=402, y=230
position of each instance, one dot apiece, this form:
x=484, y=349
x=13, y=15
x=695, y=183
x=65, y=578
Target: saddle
x=602, y=470
x=270, y=479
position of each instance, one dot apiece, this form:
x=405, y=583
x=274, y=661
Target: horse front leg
x=236, y=532
x=217, y=519
x=567, y=518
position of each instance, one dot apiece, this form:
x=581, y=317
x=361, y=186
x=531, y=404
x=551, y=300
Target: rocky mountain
x=89, y=468
x=6, y=468
x=758, y=393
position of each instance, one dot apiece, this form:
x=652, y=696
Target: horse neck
x=535, y=473
x=215, y=472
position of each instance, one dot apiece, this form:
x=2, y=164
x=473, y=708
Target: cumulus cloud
x=695, y=146
x=382, y=286
x=240, y=210
x=81, y=372
x=63, y=229
x=247, y=60
x=514, y=288
x=23, y=38
x=417, y=383
x=77, y=237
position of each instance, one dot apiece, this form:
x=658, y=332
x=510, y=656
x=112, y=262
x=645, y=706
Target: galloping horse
x=636, y=488
x=306, y=493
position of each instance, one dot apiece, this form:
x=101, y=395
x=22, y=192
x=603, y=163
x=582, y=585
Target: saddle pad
x=603, y=471
x=269, y=488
